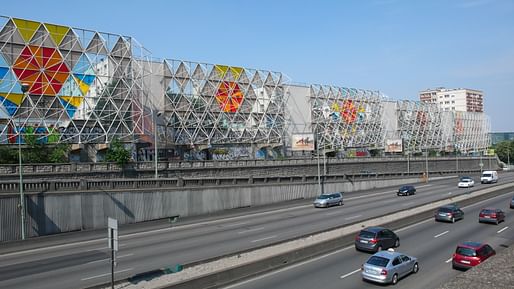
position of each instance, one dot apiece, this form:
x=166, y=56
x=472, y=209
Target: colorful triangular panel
x=3, y=72
x=9, y=105
x=57, y=32
x=27, y=28
x=84, y=82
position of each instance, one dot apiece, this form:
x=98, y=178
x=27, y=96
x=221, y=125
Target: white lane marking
x=349, y=274
x=234, y=225
x=439, y=235
x=106, y=274
x=108, y=259
x=262, y=239
x=413, y=225
x=353, y=217
x=334, y=213
x=502, y=230
x=251, y=230
x=288, y=268
x=449, y=260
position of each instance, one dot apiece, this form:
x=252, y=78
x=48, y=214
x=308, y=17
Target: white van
x=489, y=177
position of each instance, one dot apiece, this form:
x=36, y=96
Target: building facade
x=87, y=88
x=460, y=99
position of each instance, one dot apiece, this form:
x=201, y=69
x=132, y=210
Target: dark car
x=449, y=213
x=374, y=239
x=470, y=254
x=491, y=215
x=406, y=191
x=512, y=203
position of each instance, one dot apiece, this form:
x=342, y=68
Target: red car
x=491, y=216
x=470, y=254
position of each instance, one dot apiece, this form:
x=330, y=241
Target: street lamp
x=24, y=88
x=156, y=153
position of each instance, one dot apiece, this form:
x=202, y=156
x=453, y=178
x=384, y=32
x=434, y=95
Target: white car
x=466, y=182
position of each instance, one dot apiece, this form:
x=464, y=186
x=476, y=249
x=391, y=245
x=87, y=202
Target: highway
x=79, y=264
x=433, y=243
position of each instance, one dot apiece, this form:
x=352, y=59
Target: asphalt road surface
x=72, y=263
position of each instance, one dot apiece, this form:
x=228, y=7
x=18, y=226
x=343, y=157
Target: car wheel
x=497, y=222
x=453, y=219
x=340, y=203
x=397, y=243
x=395, y=279
x=415, y=269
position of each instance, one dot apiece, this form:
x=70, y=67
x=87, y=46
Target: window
x=397, y=261
x=405, y=258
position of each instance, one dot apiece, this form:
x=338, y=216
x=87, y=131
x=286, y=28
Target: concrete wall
x=50, y=213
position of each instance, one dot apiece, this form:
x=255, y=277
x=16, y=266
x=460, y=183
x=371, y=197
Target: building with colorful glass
x=87, y=88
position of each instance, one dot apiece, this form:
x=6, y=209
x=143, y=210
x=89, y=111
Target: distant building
x=459, y=99
x=497, y=137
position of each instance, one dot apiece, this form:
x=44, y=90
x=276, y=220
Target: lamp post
x=24, y=88
x=426, y=165
x=156, y=153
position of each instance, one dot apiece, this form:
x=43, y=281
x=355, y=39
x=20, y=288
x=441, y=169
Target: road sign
x=113, y=233
x=481, y=165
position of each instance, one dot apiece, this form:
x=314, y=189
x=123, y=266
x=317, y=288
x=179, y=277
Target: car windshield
x=487, y=211
x=323, y=197
x=486, y=175
x=445, y=210
x=465, y=180
x=367, y=234
x=378, y=261
x=466, y=252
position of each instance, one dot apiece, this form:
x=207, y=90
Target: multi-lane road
x=78, y=264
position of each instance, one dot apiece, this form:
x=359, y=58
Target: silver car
x=388, y=267
x=327, y=200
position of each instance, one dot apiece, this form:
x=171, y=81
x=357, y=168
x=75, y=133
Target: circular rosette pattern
x=229, y=96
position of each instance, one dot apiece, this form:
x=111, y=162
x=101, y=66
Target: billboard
x=394, y=146
x=302, y=142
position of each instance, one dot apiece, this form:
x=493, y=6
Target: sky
x=398, y=47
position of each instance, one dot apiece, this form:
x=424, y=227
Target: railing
x=62, y=186
x=35, y=169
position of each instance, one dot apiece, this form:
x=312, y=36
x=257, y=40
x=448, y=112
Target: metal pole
x=426, y=165
x=324, y=171
x=456, y=161
x=319, y=169
x=408, y=163
x=20, y=169
x=112, y=258
x=156, y=150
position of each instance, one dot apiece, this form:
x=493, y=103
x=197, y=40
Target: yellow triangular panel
x=57, y=32
x=27, y=28
x=221, y=69
x=84, y=88
x=73, y=100
x=16, y=98
x=236, y=71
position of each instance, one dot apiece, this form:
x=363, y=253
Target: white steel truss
x=346, y=117
x=83, y=86
x=208, y=104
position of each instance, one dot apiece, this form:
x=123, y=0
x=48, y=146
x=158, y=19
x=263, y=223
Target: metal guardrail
x=7, y=170
x=58, y=186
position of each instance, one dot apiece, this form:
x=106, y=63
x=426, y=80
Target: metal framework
x=209, y=104
x=346, y=117
x=471, y=131
x=421, y=126
x=84, y=86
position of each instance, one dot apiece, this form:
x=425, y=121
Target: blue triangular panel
x=83, y=66
x=70, y=109
x=3, y=72
x=9, y=105
x=87, y=79
x=10, y=83
x=3, y=63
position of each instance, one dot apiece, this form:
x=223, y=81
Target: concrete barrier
x=229, y=269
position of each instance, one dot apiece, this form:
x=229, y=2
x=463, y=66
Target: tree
x=118, y=153
x=505, y=150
